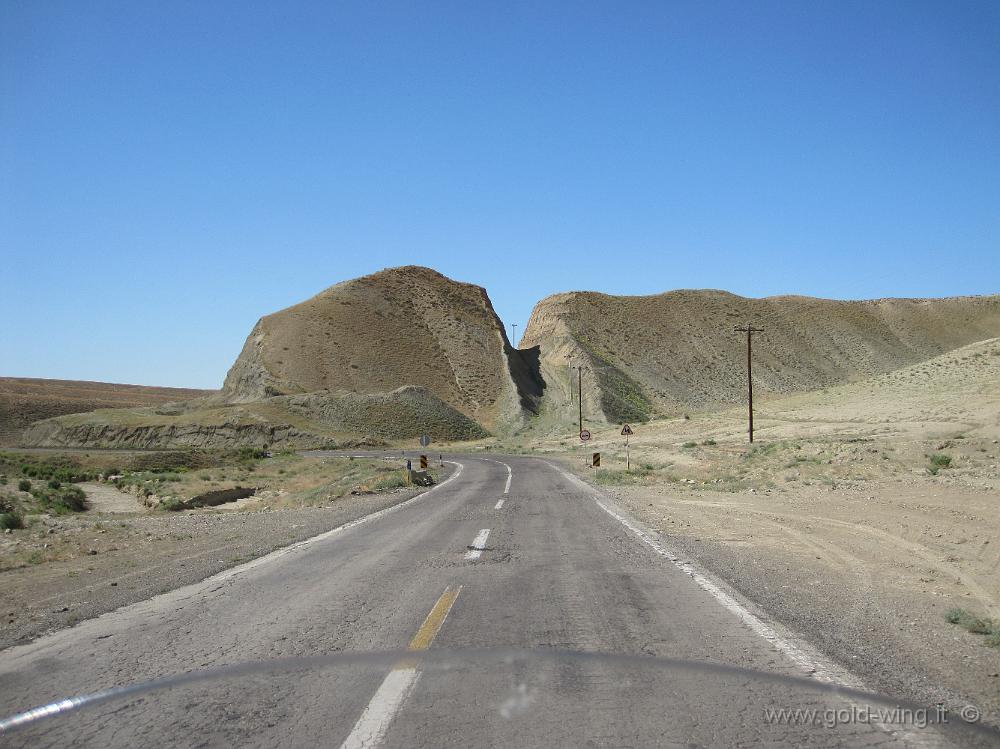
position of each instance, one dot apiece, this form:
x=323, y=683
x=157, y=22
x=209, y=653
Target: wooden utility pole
x=749, y=330
x=579, y=381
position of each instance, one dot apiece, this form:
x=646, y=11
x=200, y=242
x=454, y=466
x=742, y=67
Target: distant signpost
x=425, y=440
x=626, y=433
x=584, y=435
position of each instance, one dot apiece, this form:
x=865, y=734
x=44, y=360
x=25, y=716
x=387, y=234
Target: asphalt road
x=483, y=589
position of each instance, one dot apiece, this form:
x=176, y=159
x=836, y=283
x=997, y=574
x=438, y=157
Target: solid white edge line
x=374, y=722
x=498, y=505
x=510, y=473
x=802, y=654
x=810, y=662
x=478, y=544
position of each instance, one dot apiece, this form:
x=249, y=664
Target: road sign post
x=425, y=440
x=596, y=460
x=584, y=435
x=423, y=462
x=627, y=432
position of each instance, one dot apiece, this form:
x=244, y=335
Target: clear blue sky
x=169, y=172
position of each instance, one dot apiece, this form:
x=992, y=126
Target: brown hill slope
x=677, y=351
x=400, y=327
x=24, y=400
x=310, y=420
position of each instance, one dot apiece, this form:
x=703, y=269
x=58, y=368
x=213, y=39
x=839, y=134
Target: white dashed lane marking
x=478, y=546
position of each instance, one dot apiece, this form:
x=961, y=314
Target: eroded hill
x=400, y=327
x=675, y=352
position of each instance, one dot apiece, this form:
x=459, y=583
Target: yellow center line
x=373, y=724
x=435, y=619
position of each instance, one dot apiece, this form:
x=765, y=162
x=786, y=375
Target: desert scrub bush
x=12, y=520
x=618, y=477
x=10, y=514
x=176, y=461
x=392, y=481
x=60, y=501
x=251, y=453
x=977, y=625
x=938, y=461
x=689, y=444
x=710, y=443
x=800, y=459
x=60, y=467
x=24, y=485
x=769, y=448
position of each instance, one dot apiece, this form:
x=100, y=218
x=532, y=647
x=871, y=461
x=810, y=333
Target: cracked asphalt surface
x=556, y=573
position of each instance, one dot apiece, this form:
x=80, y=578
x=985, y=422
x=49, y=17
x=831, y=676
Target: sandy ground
x=865, y=574
x=105, y=498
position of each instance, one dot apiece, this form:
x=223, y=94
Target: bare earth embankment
x=861, y=516
x=24, y=400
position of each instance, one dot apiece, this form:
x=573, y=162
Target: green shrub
x=24, y=485
x=977, y=625
x=941, y=460
x=12, y=520
x=60, y=501
x=968, y=621
x=710, y=443
x=61, y=468
x=690, y=444
x=54, y=483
